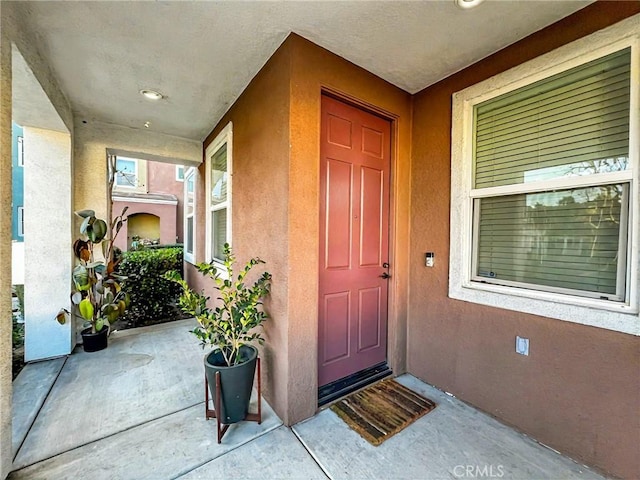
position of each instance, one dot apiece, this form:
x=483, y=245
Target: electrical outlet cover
x=522, y=346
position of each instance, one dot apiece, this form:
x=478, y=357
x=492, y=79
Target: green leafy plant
x=17, y=333
x=97, y=293
x=153, y=297
x=231, y=323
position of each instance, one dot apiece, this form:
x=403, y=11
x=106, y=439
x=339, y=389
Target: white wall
x=48, y=240
x=17, y=263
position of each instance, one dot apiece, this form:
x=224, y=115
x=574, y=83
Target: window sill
x=222, y=271
x=585, y=311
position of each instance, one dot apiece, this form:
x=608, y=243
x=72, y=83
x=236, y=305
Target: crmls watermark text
x=478, y=471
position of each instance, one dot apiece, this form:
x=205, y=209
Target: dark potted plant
x=229, y=328
x=97, y=294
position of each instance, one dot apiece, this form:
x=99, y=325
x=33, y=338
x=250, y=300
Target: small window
x=131, y=175
x=21, y=221
x=218, y=184
x=21, y=151
x=180, y=173
x=189, y=215
x=126, y=172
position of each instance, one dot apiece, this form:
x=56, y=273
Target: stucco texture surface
x=276, y=142
x=260, y=152
x=91, y=144
x=315, y=70
x=5, y=252
x=578, y=390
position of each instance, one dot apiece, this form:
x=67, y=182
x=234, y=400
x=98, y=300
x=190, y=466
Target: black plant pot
x=236, y=383
x=93, y=342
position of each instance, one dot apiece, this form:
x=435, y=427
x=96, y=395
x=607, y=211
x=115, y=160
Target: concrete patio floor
x=136, y=411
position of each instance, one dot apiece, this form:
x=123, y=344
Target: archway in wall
x=143, y=227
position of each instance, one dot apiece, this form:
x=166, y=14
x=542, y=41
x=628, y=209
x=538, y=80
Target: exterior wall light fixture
x=467, y=4
x=151, y=94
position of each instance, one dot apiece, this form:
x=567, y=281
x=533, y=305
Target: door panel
x=369, y=323
x=338, y=308
x=355, y=155
x=339, y=200
x=371, y=213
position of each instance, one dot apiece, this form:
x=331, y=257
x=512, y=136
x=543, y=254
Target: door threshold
x=343, y=386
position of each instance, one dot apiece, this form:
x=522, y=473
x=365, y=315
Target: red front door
x=355, y=163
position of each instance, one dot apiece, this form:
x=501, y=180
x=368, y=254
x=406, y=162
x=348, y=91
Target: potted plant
x=97, y=294
x=228, y=328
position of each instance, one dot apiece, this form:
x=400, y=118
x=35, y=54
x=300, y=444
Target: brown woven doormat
x=382, y=410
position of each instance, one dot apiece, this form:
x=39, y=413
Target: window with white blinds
x=551, y=182
x=218, y=185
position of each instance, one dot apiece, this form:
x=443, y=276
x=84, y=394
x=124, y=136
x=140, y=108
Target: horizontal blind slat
x=571, y=119
x=518, y=116
x=565, y=239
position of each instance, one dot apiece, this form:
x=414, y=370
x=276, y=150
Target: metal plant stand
x=211, y=413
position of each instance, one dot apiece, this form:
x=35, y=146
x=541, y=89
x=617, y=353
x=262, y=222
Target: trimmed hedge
x=153, y=298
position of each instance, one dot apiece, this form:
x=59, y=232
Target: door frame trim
x=393, y=323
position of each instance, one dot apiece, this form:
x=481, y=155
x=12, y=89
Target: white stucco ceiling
x=201, y=55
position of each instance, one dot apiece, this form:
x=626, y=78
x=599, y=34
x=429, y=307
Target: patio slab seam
x=131, y=427
x=41, y=404
x=144, y=437
x=235, y=447
x=311, y=454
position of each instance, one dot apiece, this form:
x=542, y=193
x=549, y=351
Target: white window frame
x=178, y=169
x=20, y=151
x=20, y=222
x=140, y=173
x=617, y=316
x=189, y=257
x=224, y=137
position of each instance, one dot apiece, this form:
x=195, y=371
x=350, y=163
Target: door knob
x=385, y=275
x=385, y=265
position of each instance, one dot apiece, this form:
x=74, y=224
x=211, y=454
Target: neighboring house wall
x=276, y=138
x=17, y=176
x=17, y=204
x=161, y=178
x=156, y=191
x=578, y=389
x=165, y=212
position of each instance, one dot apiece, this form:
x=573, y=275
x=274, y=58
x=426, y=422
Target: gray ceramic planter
x=236, y=383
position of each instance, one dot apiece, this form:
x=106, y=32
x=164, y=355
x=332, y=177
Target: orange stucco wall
x=578, y=391
x=312, y=70
x=276, y=139
x=259, y=206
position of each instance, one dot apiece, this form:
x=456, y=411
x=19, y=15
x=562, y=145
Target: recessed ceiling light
x=466, y=4
x=151, y=94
